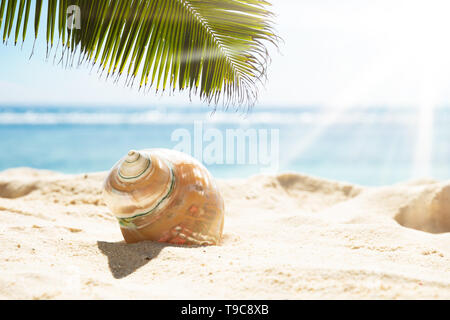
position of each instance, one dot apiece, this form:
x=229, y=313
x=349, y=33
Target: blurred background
x=359, y=92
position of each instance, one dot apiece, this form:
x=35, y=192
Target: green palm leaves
x=216, y=48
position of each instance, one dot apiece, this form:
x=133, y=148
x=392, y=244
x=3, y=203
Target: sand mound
x=287, y=237
x=429, y=212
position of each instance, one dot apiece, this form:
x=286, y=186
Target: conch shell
x=166, y=196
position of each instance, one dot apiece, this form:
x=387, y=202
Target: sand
x=286, y=237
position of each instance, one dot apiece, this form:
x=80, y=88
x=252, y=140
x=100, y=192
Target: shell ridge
x=139, y=156
x=127, y=222
x=149, y=162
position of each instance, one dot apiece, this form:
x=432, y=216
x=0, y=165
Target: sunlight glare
x=422, y=158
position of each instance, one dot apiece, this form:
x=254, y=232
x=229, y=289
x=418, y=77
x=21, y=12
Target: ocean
x=367, y=146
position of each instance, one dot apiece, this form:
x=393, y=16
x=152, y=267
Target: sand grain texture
x=286, y=237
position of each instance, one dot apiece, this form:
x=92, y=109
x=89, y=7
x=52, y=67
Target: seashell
x=166, y=196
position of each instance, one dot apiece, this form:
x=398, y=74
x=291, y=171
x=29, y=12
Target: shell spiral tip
x=133, y=155
x=133, y=166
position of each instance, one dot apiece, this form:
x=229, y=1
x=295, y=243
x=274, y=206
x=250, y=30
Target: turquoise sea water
x=372, y=146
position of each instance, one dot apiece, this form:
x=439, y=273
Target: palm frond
x=216, y=48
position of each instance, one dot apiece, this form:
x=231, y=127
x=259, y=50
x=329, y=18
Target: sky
x=334, y=53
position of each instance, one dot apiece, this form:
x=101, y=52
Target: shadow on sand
x=124, y=259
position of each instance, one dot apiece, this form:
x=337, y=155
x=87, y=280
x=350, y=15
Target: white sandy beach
x=286, y=237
